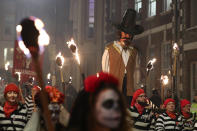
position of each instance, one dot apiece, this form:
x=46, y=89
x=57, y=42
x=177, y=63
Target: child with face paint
x=13, y=114
x=59, y=115
x=100, y=106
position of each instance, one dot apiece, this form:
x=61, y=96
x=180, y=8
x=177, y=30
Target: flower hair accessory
x=93, y=82
x=55, y=95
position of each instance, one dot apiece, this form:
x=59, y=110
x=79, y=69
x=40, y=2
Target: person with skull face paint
x=142, y=116
x=59, y=115
x=13, y=114
x=100, y=106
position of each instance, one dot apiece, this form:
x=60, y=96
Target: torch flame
x=39, y=24
x=61, y=58
x=150, y=64
x=175, y=46
x=18, y=28
x=7, y=65
x=164, y=79
x=43, y=38
x=49, y=76
x=71, y=45
x=19, y=75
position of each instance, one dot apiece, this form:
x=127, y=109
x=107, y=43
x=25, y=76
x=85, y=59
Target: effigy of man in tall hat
x=120, y=57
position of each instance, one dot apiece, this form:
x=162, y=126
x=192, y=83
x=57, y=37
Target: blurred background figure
x=155, y=98
x=99, y=106
x=13, y=114
x=59, y=114
x=30, y=101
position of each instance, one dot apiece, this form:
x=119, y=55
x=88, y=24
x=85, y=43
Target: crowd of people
x=99, y=106
x=108, y=101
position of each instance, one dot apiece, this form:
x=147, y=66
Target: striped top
x=165, y=123
x=143, y=121
x=188, y=124
x=30, y=105
x=16, y=121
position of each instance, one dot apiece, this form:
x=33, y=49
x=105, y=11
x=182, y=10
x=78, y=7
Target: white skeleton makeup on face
x=107, y=109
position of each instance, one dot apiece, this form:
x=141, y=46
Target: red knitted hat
x=168, y=100
x=94, y=81
x=184, y=102
x=135, y=95
x=11, y=87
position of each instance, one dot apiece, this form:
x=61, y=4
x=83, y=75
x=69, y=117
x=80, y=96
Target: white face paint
x=107, y=109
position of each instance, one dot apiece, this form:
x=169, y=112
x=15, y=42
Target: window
x=138, y=5
x=152, y=8
x=167, y=4
x=91, y=6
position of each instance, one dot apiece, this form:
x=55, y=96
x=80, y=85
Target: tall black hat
x=128, y=24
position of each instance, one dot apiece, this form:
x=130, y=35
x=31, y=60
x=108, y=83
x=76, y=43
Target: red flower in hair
x=94, y=81
x=54, y=94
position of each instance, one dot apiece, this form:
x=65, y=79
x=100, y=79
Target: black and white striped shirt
x=30, y=105
x=16, y=121
x=189, y=123
x=165, y=123
x=143, y=121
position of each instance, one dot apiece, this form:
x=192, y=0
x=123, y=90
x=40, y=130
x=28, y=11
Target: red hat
x=184, y=102
x=135, y=95
x=94, y=81
x=168, y=100
x=54, y=94
x=11, y=87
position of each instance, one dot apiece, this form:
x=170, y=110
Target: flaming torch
x=32, y=38
x=73, y=47
x=164, y=82
x=60, y=63
x=149, y=67
x=18, y=76
x=175, y=54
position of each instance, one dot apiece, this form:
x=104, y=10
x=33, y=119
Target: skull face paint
x=107, y=109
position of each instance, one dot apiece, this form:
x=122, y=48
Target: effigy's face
x=12, y=97
x=107, y=109
x=125, y=38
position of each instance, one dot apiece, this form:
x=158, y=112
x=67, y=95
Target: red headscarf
x=11, y=87
x=170, y=114
x=167, y=101
x=94, y=81
x=8, y=109
x=185, y=102
x=135, y=95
